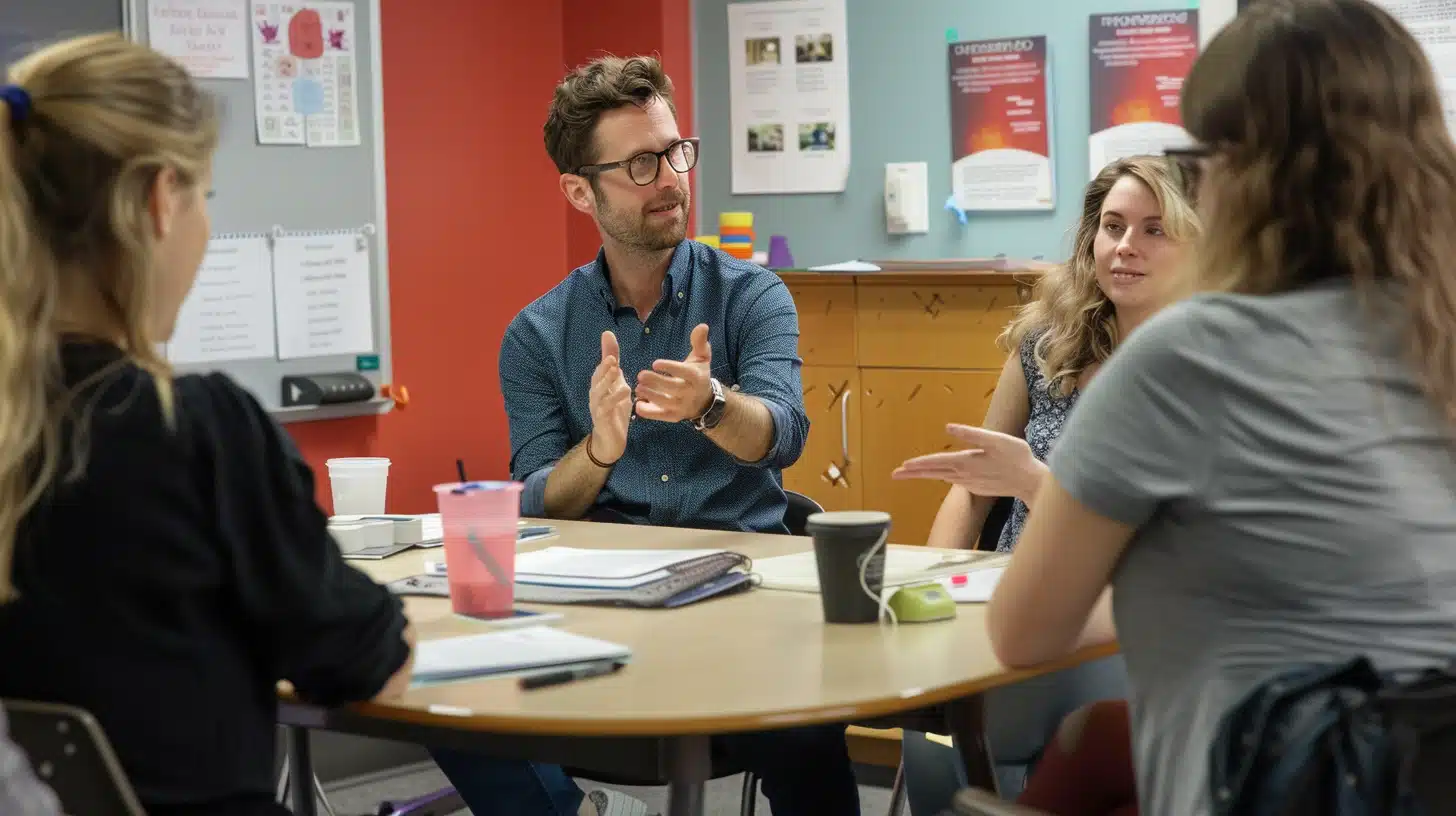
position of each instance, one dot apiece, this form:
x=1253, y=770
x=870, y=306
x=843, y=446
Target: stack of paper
x=509, y=650
x=904, y=565
x=600, y=569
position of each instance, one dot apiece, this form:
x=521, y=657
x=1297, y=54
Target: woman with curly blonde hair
x=1126, y=264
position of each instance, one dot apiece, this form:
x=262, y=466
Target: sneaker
x=616, y=803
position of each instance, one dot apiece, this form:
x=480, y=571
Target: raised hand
x=610, y=401
x=674, y=391
x=994, y=464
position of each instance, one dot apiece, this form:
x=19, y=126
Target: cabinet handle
x=844, y=424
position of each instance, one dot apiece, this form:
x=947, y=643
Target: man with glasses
x=659, y=384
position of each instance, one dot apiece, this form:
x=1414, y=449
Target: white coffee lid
x=849, y=518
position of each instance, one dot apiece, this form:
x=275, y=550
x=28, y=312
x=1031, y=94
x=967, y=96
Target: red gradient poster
x=1138, y=64
x=1001, y=144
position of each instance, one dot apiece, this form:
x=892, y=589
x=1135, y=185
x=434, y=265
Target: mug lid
x=849, y=518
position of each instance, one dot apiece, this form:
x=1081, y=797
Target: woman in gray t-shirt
x=1265, y=475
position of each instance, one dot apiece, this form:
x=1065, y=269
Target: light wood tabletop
x=755, y=660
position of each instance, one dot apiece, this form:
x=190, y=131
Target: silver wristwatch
x=714, y=414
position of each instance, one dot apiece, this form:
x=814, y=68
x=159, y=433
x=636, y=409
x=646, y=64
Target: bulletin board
x=281, y=193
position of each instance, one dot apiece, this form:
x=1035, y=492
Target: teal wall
x=899, y=110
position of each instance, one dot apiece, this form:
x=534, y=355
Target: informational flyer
x=324, y=294
x=228, y=314
x=789, y=83
x=208, y=37
x=1433, y=24
x=307, y=86
x=1138, y=64
x=1000, y=108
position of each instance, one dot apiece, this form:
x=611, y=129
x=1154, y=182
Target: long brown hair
x=1075, y=319
x=1330, y=159
x=77, y=166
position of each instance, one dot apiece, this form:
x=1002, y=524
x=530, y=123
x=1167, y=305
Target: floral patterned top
x=1043, y=426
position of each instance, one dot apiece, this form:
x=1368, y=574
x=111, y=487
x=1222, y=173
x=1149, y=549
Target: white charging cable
x=864, y=583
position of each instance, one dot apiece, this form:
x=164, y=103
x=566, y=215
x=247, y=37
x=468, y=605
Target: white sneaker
x=616, y=803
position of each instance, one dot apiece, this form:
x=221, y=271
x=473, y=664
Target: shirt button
x=679, y=295
x=647, y=330
x=664, y=477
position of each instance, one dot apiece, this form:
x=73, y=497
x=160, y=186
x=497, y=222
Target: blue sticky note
x=308, y=96
x=960, y=214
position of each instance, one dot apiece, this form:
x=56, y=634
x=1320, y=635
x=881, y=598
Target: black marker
x=556, y=678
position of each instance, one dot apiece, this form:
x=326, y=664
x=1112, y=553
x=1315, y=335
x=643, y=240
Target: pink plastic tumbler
x=480, y=545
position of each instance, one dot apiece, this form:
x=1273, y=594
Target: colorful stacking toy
x=735, y=234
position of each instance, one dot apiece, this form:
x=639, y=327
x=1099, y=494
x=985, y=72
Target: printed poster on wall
x=307, y=88
x=1433, y=24
x=208, y=37
x=789, y=105
x=1138, y=64
x=1001, y=143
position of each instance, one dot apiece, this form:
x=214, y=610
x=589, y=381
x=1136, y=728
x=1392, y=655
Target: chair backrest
x=70, y=753
x=995, y=521
x=796, y=515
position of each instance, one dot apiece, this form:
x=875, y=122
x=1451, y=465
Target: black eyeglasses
x=1187, y=166
x=681, y=155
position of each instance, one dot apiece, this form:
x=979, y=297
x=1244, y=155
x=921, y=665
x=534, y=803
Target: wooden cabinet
x=889, y=359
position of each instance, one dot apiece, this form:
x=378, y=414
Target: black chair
x=800, y=508
x=995, y=521
x=72, y=755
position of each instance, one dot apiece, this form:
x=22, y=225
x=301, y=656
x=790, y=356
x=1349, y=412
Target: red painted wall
x=476, y=220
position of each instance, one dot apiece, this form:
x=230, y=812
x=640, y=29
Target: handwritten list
x=323, y=295
x=228, y=314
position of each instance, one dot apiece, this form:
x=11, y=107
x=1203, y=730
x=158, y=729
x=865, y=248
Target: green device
x=922, y=603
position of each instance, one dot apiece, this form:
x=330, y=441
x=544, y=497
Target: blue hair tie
x=18, y=99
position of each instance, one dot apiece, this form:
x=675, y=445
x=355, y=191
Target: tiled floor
x=723, y=794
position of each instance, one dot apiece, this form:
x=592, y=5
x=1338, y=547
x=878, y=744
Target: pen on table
x=556, y=678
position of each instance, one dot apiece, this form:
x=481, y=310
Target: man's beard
x=634, y=229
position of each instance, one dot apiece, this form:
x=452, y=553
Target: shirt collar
x=676, y=282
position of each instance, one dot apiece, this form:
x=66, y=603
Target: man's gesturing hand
x=674, y=391
x=611, y=404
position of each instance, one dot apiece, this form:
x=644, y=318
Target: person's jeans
x=804, y=772
x=1020, y=719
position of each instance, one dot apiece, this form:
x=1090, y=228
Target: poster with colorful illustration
x=1001, y=141
x=1138, y=64
x=307, y=85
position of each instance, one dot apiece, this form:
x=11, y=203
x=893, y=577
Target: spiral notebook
x=640, y=578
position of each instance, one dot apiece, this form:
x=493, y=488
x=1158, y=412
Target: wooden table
x=753, y=661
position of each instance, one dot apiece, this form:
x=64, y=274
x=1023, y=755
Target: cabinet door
x=905, y=413
x=827, y=471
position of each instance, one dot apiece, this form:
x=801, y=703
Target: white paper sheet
x=323, y=295
x=307, y=90
x=209, y=37
x=512, y=650
x=789, y=81
x=1433, y=23
x=228, y=315
x=975, y=587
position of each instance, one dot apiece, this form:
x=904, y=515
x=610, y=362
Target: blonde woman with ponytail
x=1263, y=477
x=162, y=561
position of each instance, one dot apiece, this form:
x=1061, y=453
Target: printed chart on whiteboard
x=1139, y=62
x=789, y=102
x=1433, y=23
x=324, y=302
x=228, y=314
x=1000, y=125
x=307, y=87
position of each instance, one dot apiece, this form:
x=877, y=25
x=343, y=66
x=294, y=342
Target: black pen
x=556, y=678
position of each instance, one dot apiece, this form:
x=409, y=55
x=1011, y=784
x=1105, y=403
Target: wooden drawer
x=828, y=471
x=826, y=321
x=934, y=324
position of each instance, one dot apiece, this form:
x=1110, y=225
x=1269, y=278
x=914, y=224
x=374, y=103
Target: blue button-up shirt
x=671, y=474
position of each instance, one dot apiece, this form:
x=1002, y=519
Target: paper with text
x=228, y=315
x=323, y=294
x=788, y=66
x=306, y=57
x=208, y=37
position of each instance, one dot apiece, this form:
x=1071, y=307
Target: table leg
x=689, y=764
x=967, y=724
x=300, y=767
